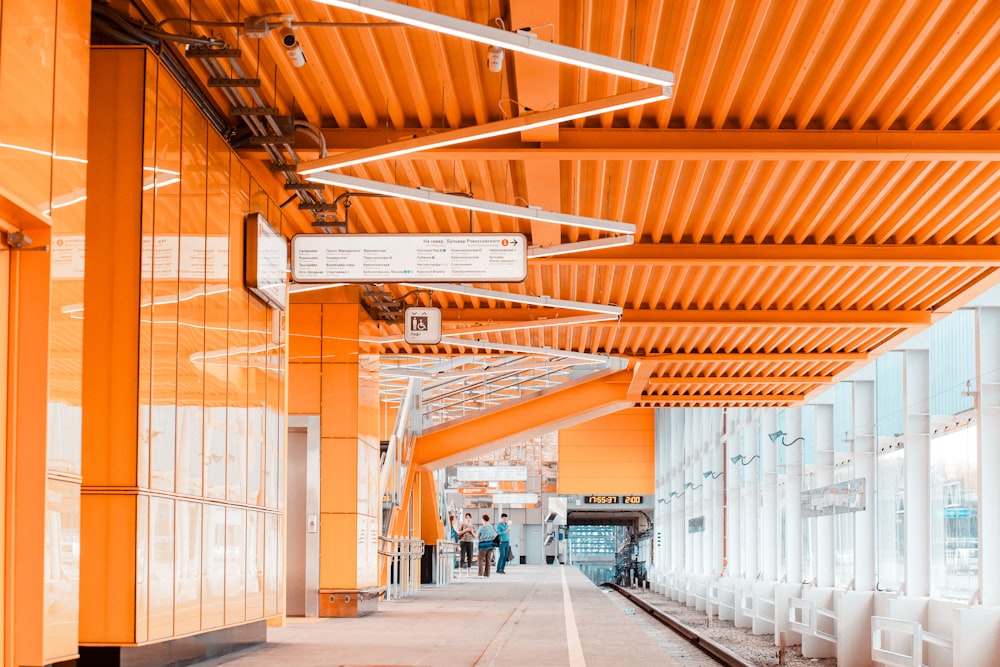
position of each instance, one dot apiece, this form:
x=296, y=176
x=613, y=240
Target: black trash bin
x=427, y=565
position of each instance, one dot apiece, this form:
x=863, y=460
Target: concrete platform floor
x=531, y=615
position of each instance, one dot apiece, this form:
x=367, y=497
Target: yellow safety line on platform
x=572, y=636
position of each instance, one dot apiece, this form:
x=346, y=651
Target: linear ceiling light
x=296, y=288
x=580, y=246
x=454, y=288
x=489, y=345
x=501, y=127
x=428, y=196
x=491, y=370
x=519, y=41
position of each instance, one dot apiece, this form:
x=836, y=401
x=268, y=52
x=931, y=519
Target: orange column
x=330, y=376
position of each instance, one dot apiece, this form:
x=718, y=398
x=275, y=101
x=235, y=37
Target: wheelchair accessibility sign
x=422, y=326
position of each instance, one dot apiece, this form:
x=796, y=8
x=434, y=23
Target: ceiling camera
x=292, y=46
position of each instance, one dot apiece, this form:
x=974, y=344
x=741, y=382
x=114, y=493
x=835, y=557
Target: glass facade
x=929, y=387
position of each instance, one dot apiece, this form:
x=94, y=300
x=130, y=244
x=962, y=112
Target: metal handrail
x=402, y=557
x=883, y=625
x=446, y=553
x=811, y=613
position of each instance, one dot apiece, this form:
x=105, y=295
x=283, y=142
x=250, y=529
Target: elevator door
x=295, y=593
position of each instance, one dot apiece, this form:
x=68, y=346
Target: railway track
x=714, y=650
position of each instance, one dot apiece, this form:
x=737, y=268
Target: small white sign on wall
x=422, y=326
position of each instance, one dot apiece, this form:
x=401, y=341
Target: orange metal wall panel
x=338, y=547
x=339, y=401
x=303, y=389
x=109, y=567
x=340, y=491
x=111, y=331
x=612, y=454
x=305, y=331
x=207, y=364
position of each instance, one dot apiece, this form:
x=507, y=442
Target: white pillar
x=824, y=477
x=916, y=474
x=715, y=486
x=676, y=479
x=661, y=426
x=769, y=496
x=988, y=346
x=793, y=498
x=864, y=468
x=751, y=500
x=734, y=518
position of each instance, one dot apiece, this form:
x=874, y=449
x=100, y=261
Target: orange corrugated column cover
x=330, y=375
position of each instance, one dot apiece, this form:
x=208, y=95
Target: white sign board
x=422, y=326
x=515, y=498
x=492, y=473
x=386, y=258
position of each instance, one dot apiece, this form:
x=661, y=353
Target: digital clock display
x=632, y=500
x=600, y=500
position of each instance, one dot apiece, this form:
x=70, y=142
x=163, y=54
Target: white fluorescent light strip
x=450, y=375
x=495, y=129
x=453, y=288
x=521, y=42
x=580, y=246
x=297, y=288
x=489, y=345
x=428, y=196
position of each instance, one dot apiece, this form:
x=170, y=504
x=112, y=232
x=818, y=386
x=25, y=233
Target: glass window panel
x=215, y=452
x=272, y=564
x=145, y=388
x=890, y=508
x=238, y=343
x=62, y=567
x=187, y=612
x=257, y=400
x=166, y=266
x=142, y=532
x=809, y=535
x=255, y=565
x=217, y=359
x=236, y=558
x=955, y=513
x=191, y=300
x=843, y=418
x=953, y=363
x=213, y=584
x=161, y=568
x=889, y=414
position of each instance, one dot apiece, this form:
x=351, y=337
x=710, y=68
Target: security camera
x=494, y=58
x=292, y=46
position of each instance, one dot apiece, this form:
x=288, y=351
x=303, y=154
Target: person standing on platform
x=453, y=536
x=503, y=529
x=486, y=535
x=466, y=538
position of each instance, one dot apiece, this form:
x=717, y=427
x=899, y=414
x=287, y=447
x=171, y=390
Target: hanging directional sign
x=422, y=326
x=386, y=258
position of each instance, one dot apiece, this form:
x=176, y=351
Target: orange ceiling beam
x=703, y=318
x=761, y=357
x=688, y=144
x=710, y=380
x=841, y=256
x=570, y=404
x=722, y=399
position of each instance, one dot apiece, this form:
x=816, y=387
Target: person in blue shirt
x=486, y=535
x=503, y=529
